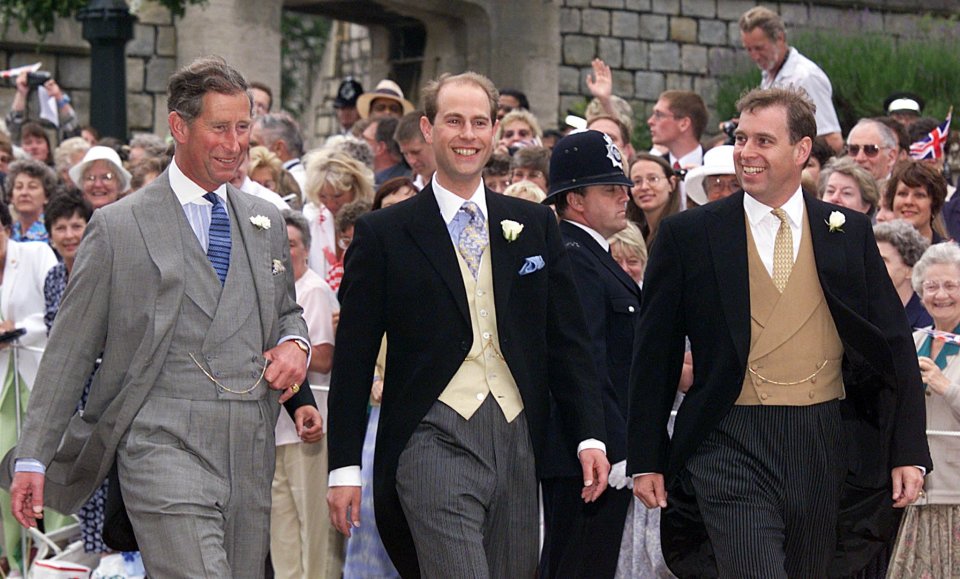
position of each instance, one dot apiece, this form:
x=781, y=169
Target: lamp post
x=108, y=26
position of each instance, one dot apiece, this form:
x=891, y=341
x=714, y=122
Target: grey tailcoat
x=123, y=301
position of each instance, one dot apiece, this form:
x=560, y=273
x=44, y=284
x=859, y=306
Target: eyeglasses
x=106, y=178
x=949, y=286
x=652, y=180
x=868, y=150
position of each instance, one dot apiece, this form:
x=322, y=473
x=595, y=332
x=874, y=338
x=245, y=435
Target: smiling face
x=101, y=183
x=65, y=236
x=942, y=304
x=461, y=136
x=844, y=191
x=651, y=187
x=913, y=205
x=768, y=165
x=29, y=197
x=211, y=147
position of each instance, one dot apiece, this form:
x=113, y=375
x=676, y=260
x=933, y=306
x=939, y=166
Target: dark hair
x=349, y=213
x=35, y=169
x=386, y=127
x=389, y=187
x=93, y=131
x=625, y=132
x=635, y=214
x=408, y=128
x=821, y=151
x=261, y=86
x=801, y=112
x=187, y=86
x=920, y=128
x=5, y=219
x=65, y=206
x=918, y=174
x=35, y=129
x=431, y=91
x=687, y=104
x=498, y=164
x=517, y=94
x=145, y=166
x=537, y=158
x=282, y=126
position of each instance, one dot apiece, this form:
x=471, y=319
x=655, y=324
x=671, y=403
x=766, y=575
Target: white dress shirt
x=764, y=225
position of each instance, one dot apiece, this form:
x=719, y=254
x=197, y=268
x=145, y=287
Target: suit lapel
x=505, y=255
x=430, y=234
x=584, y=238
x=727, y=236
x=154, y=216
x=828, y=249
x=256, y=243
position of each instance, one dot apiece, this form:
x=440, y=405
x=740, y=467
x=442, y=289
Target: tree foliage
x=42, y=14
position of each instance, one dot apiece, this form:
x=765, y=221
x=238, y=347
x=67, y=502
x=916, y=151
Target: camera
x=37, y=78
x=729, y=128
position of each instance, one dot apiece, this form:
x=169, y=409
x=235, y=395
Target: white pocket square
x=531, y=264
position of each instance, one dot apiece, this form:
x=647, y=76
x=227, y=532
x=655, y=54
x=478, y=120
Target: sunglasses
x=868, y=150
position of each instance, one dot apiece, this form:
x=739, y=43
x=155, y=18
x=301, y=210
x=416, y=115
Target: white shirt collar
x=594, y=234
x=450, y=202
x=692, y=159
x=757, y=211
x=187, y=191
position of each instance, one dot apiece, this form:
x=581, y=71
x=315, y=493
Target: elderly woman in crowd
x=518, y=129
x=916, y=193
x=845, y=183
x=334, y=179
x=30, y=184
x=655, y=194
x=715, y=179
x=928, y=544
x=303, y=542
x=393, y=191
x=101, y=176
x=23, y=268
x=630, y=251
x=900, y=247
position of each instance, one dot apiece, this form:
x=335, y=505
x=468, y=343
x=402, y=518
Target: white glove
x=618, y=476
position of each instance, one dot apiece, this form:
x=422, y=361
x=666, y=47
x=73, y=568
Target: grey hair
x=904, y=238
x=887, y=136
x=63, y=154
x=152, y=144
x=282, y=126
x=35, y=169
x=296, y=219
x=353, y=146
x=869, y=192
x=187, y=86
x=937, y=254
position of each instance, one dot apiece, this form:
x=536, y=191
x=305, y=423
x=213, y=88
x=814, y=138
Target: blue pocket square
x=531, y=264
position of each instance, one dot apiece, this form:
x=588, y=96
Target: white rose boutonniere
x=511, y=229
x=836, y=221
x=260, y=221
x=278, y=267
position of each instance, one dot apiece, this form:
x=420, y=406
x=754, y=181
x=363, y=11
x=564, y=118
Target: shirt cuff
x=923, y=470
x=346, y=476
x=303, y=341
x=591, y=443
x=29, y=465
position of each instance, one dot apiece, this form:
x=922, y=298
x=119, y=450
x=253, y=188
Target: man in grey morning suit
x=186, y=290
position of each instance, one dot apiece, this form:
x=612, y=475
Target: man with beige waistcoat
x=805, y=386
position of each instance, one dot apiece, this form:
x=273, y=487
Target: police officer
x=590, y=192
x=345, y=104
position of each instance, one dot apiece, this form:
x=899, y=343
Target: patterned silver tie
x=473, y=238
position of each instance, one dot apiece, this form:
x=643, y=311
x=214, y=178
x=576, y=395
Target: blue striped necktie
x=218, y=243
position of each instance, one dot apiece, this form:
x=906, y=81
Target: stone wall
x=348, y=53
x=656, y=45
x=151, y=59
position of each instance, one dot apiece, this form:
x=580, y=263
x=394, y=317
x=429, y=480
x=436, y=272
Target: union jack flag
x=935, y=143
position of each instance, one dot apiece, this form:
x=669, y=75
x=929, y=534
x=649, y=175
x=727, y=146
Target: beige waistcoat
x=484, y=371
x=795, y=351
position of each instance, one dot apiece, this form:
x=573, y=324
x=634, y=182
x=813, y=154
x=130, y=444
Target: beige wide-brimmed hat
x=386, y=89
x=100, y=153
x=716, y=161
